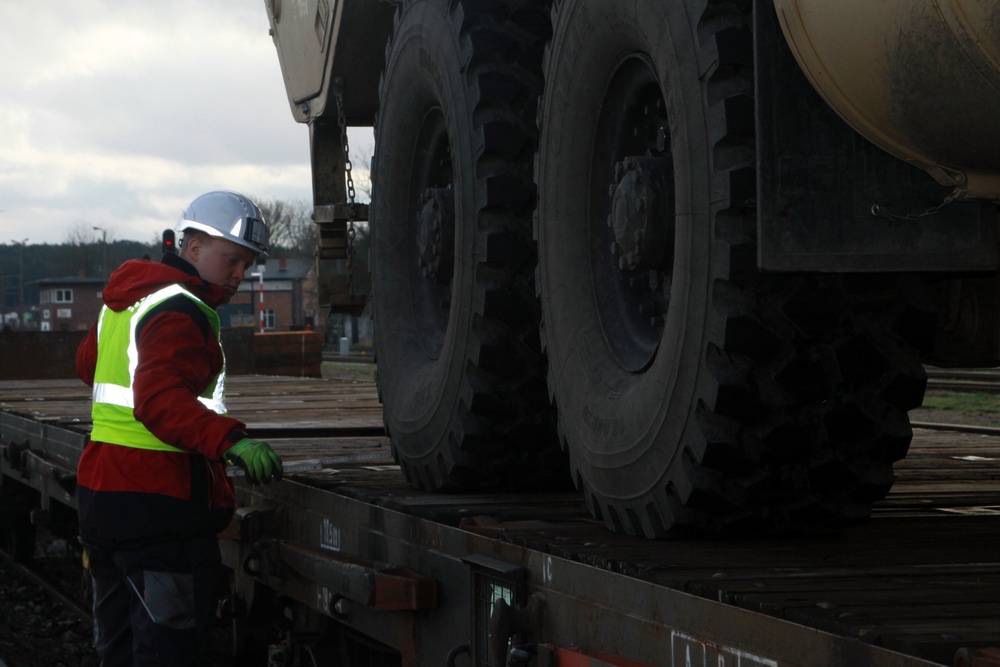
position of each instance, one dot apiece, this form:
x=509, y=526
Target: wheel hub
x=436, y=234
x=642, y=214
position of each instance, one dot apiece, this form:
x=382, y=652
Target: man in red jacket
x=152, y=488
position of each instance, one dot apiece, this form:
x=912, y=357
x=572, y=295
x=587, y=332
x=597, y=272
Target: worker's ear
x=193, y=246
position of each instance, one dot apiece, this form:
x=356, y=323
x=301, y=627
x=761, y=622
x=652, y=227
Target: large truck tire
x=460, y=372
x=692, y=392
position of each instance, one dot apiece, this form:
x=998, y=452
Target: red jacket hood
x=138, y=278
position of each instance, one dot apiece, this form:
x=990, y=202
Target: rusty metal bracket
x=247, y=524
x=380, y=588
x=332, y=219
x=65, y=479
x=571, y=656
x=335, y=225
x=982, y=657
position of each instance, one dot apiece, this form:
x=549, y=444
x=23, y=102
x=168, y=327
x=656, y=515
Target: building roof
x=68, y=280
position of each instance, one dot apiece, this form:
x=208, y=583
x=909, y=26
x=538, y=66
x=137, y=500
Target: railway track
x=59, y=580
x=44, y=620
x=981, y=380
x=58, y=575
x=45, y=613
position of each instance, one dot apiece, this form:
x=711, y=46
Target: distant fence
x=51, y=355
x=295, y=353
x=38, y=355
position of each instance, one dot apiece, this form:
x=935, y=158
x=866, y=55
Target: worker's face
x=220, y=261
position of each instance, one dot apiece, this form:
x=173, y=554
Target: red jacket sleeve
x=86, y=357
x=176, y=363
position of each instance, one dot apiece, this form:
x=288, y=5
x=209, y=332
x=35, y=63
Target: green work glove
x=258, y=460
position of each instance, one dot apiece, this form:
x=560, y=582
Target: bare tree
x=291, y=225
x=81, y=234
x=86, y=250
x=361, y=173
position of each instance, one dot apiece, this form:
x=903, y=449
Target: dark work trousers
x=154, y=605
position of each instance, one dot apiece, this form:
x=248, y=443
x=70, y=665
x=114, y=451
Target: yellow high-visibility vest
x=114, y=377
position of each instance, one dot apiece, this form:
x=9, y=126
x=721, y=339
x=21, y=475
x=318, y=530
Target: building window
x=64, y=296
x=240, y=319
x=64, y=313
x=268, y=319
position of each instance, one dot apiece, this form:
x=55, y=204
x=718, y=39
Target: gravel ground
x=35, y=629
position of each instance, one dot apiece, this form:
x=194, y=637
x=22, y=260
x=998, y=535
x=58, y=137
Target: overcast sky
x=117, y=114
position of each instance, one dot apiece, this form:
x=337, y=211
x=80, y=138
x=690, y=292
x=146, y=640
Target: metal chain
x=342, y=120
x=880, y=211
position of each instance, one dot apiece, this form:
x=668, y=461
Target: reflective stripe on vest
x=114, y=377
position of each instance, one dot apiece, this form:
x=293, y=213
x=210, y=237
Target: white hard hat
x=227, y=215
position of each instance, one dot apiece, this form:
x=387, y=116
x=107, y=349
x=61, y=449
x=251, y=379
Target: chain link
x=351, y=232
x=880, y=211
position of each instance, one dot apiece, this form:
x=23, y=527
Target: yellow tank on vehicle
x=921, y=80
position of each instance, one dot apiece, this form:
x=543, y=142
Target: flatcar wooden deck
x=922, y=577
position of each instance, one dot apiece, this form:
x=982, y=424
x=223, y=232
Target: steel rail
x=958, y=428
x=985, y=381
x=38, y=580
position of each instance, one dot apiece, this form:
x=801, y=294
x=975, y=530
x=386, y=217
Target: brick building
x=289, y=297
x=65, y=304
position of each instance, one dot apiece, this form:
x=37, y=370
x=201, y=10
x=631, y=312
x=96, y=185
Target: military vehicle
x=691, y=255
